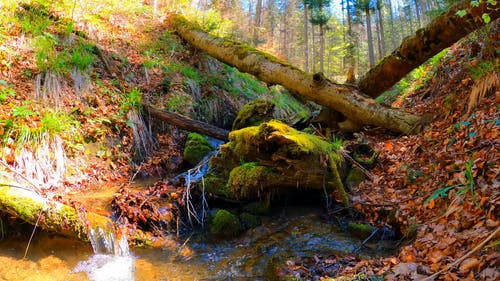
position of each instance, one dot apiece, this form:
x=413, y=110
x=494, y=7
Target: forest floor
x=440, y=187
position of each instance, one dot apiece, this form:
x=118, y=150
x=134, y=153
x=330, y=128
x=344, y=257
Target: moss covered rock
x=197, y=147
x=253, y=114
x=262, y=161
x=224, y=223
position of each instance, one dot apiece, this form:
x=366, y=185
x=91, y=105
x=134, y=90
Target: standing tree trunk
x=342, y=98
x=322, y=48
x=380, y=14
x=351, y=76
x=443, y=31
x=393, y=30
x=257, y=22
x=417, y=12
x=371, y=54
x=306, y=38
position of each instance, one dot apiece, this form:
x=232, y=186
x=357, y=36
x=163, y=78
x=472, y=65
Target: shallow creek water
x=288, y=233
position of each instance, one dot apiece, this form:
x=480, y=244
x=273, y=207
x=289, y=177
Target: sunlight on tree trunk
x=343, y=98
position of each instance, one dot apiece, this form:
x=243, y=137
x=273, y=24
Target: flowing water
x=288, y=233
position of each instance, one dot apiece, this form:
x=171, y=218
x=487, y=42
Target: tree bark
x=306, y=38
x=441, y=33
x=371, y=54
x=188, y=124
x=380, y=13
x=257, y=22
x=344, y=98
x=351, y=76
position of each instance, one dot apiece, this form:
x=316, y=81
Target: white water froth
x=112, y=260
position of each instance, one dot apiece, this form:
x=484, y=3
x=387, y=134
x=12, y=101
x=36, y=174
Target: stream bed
x=288, y=233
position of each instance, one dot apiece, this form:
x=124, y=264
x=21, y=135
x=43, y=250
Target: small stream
x=287, y=233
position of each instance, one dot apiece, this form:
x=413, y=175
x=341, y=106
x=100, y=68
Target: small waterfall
x=112, y=260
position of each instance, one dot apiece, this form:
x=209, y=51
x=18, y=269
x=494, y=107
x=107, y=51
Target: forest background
x=333, y=37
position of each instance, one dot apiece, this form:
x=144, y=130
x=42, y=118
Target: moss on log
x=441, y=33
x=272, y=158
x=54, y=216
x=346, y=99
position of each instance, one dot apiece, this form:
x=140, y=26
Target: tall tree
x=320, y=17
x=391, y=20
x=366, y=6
x=306, y=36
x=380, y=30
x=350, y=42
x=257, y=22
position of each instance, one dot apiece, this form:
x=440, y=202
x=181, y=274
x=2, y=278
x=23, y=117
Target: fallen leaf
x=436, y=255
x=489, y=274
x=405, y=268
x=468, y=264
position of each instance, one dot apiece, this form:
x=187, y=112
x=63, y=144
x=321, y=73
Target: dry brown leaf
x=468, y=264
x=436, y=255
x=405, y=269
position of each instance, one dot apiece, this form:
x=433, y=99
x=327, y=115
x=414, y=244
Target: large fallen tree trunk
x=188, y=124
x=441, y=33
x=343, y=98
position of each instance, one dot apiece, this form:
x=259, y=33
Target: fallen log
x=346, y=99
x=49, y=215
x=188, y=124
x=273, y=159
x=441, y=33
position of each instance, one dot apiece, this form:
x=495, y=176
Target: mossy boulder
x=254, y=113
x=224, y=223
x=261, y=162
x=197, y=147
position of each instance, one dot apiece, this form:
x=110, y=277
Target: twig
x=355, y=163
x=16, y=186
x=32, y=234
x=385, y=204
x=366, y=240
x=451, y=265
x=22, y=176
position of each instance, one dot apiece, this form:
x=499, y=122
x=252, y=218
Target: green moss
x=249, y=220
x=242, y=142
x=215, y=185
x=354, y=178
x=296, y=142
x=365, y=155
x=361, y=230
x=295, y=157
x=226, y=224
x=254, y=113
x=247, y=180
x=257, y=208
x=28, y=206
x=196, y=148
